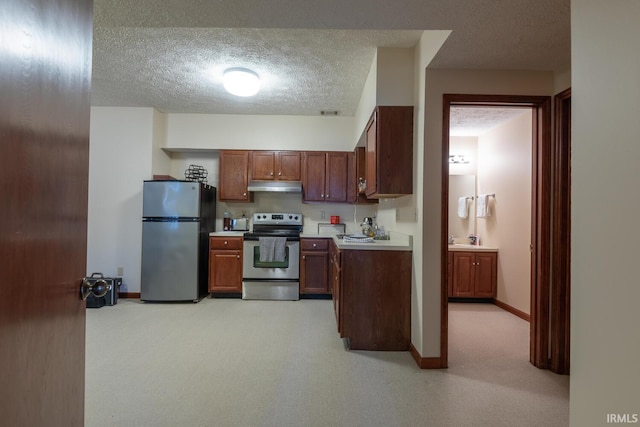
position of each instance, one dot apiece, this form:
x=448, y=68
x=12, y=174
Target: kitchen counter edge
x=226, y=233
x=398, y=242
x=470, y=248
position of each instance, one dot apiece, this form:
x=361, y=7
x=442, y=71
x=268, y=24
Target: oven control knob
x=290, y=217
x=296, y=218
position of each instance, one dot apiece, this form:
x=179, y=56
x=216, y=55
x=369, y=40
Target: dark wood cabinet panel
x=225, y=264
x=234, y=176
x=336, y=177
x=288, y=165
x=335, y=260
x=313, y=178
x=372, y=298
x=263, y=165
x=450, y=273
x=474, y=274
x=314, y=266
x=370, y=157
x=275, y=165
x=356, y=172
x=389, y=152
x=486, y=275
x=463, y=274
x=324, y=176
x=314, y=273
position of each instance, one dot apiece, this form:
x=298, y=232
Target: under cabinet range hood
x=276, y=186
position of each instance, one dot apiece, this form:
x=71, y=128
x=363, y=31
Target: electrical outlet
x=322, y=214
x=120, y=271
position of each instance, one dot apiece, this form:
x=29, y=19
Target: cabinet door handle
x=304, y=257
x=238, y=256
x=328, y=196
x=279, y=173
x=244, y=194
x=322, y=196
x=314, y=245
x=225, y=242
x=270, y=173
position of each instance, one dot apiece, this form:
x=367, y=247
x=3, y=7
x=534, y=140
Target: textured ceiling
x=312, y=56
x=475, y=121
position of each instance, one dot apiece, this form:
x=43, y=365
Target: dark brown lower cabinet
x=372, y=295
x=474, y=274
x=225, y=264
x=314, y=266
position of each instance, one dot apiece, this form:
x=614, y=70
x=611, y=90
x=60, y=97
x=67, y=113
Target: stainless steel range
x=271, y=263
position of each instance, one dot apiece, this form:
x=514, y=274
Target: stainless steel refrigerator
x=177, y=219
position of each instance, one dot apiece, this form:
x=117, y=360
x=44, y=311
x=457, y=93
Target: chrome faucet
x=451, y=240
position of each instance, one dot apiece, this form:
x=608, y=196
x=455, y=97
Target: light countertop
x=459, y=247
x=226, y=233
x=398, y=242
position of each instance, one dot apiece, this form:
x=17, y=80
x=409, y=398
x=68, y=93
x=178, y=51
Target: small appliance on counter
x=239, y=224
x=331, y=229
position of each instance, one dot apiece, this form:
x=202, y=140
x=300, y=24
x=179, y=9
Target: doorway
x=540, y=248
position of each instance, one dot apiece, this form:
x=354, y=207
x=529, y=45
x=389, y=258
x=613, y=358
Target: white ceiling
x=475, y=121
x=312, y=56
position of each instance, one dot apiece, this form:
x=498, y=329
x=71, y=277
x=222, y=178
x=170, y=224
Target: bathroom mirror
x=462, y=186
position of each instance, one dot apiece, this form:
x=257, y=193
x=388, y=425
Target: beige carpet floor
x=228, y=362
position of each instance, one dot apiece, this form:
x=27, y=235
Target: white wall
x=467, y=146
x=161, y=162
x=439, y=82
x=405, y=214
x=120, y=157
x=605, y=285
x=216, y=131
x=462, y=183
x=395, y=77
x=504, y=169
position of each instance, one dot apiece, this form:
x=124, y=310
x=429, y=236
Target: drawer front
x=225, y=242
x=314, y=244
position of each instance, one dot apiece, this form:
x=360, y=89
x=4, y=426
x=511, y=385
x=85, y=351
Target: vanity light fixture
x=241, y=81
x=458, y=159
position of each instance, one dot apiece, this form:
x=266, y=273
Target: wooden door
x=288, y=166
x=336, y=177
x=233, y=179
x=44, y=160
x=485, y=274
x=314, y=177
x=314, y=272
x=263, y=165
x=540, y=332
x=225, y=271
x=463, y=274
x=370, y=156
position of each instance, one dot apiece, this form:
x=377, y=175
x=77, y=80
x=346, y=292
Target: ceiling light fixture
x=241, y=81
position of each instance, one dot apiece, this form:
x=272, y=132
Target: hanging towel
x=272, y=249
x=463, y=212
x=482, y=203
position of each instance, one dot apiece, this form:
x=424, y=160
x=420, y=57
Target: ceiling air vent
x=328, y=112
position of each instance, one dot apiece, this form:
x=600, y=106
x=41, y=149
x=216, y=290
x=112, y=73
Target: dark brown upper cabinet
x=275, y=165
x=234, y=176
x=389, y=152
x=324, y=176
